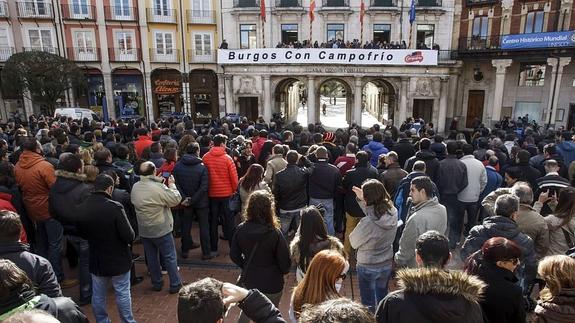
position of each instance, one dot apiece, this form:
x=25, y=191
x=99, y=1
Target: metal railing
x=4, y=13
x=124, y=54
x=383, y=3
x=78, y=12
x=161, y=15
x=83, y=54
x=428, y=3
x=205, y=17
x=335, y=3
x=479, y=2
x=246, y=3
x=446, y=55
x=117, y=13
x=202, y=55
x=288, y=3
x=5, y=53
x=35, y=9
x=164, y=55
x=52, y=50
x=480, y=43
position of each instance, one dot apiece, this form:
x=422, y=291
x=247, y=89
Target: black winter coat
x=324, y=180
x=355, y=177
x=290, y=188
x=271, y=260
x=430, y=160
x=404, y=149
x=124, y=183
x=67, y=193
x=105, y=225
x=192, y=180
x=260, y=309
x=451, y=176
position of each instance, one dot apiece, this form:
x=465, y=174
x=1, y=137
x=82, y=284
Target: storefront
x=128, y=93
x=93, y=97
x=203, y=94
x=12, y=104
x=167, y=92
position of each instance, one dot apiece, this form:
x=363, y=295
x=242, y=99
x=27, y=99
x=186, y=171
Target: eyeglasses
x=342, y=276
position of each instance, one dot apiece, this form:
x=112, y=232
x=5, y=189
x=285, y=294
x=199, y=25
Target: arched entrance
x=203, y=94
x=335, y=101
x=290, y=95
x=166, y=92
x=379, y=102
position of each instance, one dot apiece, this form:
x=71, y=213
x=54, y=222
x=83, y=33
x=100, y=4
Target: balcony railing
x=479, y=2
x=124, y=54
x=117, y=13
x=383, y=3
x=335, y=3
x=202, y=55
x=78, y=12
x=4, y=13
x=164, y=55
x=428, y=3
x=52, y=50
x=480, y=43
x=35, y=9
x=160, y=15
x=5, y=53
x=202, y=17
x=446, y=55
x=288, y=3
x=246, y=3
x=84, y=54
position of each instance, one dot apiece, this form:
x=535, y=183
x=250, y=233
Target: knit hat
x=328, y=136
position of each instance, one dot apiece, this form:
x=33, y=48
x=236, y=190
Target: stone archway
x=344, y=101
x=289, y=95
x=380, y=98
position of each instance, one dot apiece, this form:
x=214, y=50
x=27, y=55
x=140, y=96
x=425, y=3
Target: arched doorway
x=290, y=96
x=335, y=103
x=204, y=95
x=379, y=102
x=166, y=92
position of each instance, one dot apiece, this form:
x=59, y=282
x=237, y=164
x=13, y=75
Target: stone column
x=443, y=96
x=558, y=64
x=109, y=89
x=356, y=115
x=229, y=84
x=501, y=65
x=311, y=118
x=402, y=102
x=452, y=103
x=149, y=97
x=267, y=108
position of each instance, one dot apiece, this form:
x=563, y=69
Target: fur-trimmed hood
x=439, y=281
x=70, y=175
x=332, y=243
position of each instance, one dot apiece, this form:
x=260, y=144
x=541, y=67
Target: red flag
x=361, y=12
x=311, y=10
x=263, y=10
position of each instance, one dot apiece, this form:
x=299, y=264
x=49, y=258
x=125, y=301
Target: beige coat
x=275, y=164
x=557, y=242
x=533, y=224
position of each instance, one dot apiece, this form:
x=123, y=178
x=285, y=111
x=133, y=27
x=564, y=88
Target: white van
x=76, y=113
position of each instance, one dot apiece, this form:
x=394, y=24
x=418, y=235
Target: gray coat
x=476, y=179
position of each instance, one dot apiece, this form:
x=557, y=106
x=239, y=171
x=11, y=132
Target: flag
x=263, y=10
x=412, y=12
x=311, y=11
x=361, y=12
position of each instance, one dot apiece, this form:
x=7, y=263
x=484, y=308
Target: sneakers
x=68, y=283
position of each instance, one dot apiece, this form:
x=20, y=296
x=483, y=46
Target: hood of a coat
x=67, y=181
x=560, y=309
x=189, y=160
x=29, y=158
x=500, y=226
x=425, y=155
x=375, y=146
x=386, y=221
x=217, y=151
x=567, y=146
x=429, y=203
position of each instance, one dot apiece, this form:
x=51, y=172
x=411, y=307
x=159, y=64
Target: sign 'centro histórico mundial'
x=345, y=56
x=539, y=40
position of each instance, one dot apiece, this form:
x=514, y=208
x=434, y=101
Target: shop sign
x=539, y=40
x=167, y=86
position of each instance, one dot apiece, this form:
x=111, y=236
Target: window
x=248, y=36
x=41, y=39
x=532, y=74
x=5, y=48
x=36, y=8
x=480, y=25
x=335, y=32
x=289, y=33
x=164, y=43
x=425, y=36
x=531, y=108
x=534, y=22
x=122, y=9
x=162, y=7
x=84, y=41
x=203, y=45
x=125, y=42
x=201, y=5
x=80, y=8
x=381, y=33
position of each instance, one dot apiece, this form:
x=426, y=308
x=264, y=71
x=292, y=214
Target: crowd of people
x=339, y=43
x=395, y=206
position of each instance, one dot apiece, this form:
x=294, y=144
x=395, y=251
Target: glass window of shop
x=167, y=90
x=128, y=95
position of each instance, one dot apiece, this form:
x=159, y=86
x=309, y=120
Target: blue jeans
x=472, y=209
x=83, y=251
x=165, y=248
x=121, y=284
x=328, y=215
x=219, y=207
x=49, y=235
x=289, y=220
x=372, y=285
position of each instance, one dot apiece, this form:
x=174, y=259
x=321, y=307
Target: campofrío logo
x=414, y=57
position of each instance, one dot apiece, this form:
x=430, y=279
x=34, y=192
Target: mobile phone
x=166, y=174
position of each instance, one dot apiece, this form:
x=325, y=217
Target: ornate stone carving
x=247, y=85
x=507, y=4
x=424, y=87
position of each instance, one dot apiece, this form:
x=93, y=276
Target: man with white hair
x=529, y=220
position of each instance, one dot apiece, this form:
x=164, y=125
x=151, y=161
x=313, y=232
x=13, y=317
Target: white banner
x=340, y=56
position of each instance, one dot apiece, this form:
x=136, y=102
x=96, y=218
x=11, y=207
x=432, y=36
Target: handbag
x=241, y=278
x=235, y=202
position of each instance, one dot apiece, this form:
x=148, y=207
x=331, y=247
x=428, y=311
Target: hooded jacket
x=431, y=295
x=559, y=310
x=67, y=193
x=142, y=143
x=373, y=237
x=223, y=176
x=376, y=149
x=35, y=176
x=567, y=149
x=430, y=160
x=192, y=180
x=557, y=230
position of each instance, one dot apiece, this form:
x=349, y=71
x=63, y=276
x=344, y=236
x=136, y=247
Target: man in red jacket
x=144, y=141
x=223, y=182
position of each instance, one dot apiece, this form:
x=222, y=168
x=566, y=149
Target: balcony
x=117, y=13
x=5, y=53
x=479, y=43
x=78, y=12
x=335, y=3
x=288, y=4
x=246, y=4
x=382, y=4
x=428, y=3
x=201, y=17
x=4, y=12
x=471, y=3
x=161, y=16
x=83, y=54
x=124, y=54
x=47, y=49
x=35, y=9
x=202, y=56
x=446, y=56
x=164, y=55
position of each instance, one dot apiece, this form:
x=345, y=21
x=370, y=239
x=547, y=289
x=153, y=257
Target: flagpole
x=263, y=34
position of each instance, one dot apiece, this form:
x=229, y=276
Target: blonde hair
x=91, y=172
x=558, y=273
